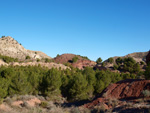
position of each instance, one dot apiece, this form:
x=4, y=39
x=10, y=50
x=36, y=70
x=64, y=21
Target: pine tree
x=19, y=84
x=52, y=82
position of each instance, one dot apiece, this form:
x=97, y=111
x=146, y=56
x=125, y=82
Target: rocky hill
x=124, y=97
x=137, y=56
x=75, y=60
x=10, y=47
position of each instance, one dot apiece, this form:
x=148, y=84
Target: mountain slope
x=10, y=47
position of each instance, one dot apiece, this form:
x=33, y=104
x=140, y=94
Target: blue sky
x=93, y=28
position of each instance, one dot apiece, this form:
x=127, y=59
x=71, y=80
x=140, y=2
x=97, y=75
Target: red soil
x=125, y=89
x=81, y=62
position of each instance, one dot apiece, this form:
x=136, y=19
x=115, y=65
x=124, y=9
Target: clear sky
x=93, y=28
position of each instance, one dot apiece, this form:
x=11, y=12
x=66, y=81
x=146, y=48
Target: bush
x=99, y=60
x=147, y=72
x=38, y=60
x=119, y=61
x=28, y=57
x=4, y=83
x=130, y=65
x=78, y=87
x=52, y=82
x=2, y=36
x=110, y=60
x=19, y=84
x=44, y=104
x=115, y=67
x=8, y=59
x=47, y=60
x=75, y=59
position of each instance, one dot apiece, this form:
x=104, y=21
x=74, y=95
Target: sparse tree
x=99, y=60
x=110, y=60
x=28, y=57
x=75, y=59
x=119, y=61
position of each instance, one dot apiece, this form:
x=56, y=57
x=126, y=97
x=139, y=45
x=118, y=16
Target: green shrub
x=78, y=87
x=28, y=57
x=8, y=59
x=2, y=36
x=38, y=60
x=99, y=60
x=19, y=84
x=4, y=83
x=110, y=60
x=119, y=61
x=147, y=72
x=44, y=104
x=51, y=82
x=115, y=67
x=47, y=60
x=75, y=59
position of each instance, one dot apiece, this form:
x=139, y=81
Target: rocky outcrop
x=137, y=56
x=80, y=63
x=130, y=88
x=148, y=58
x=83, y=63
x=126, y=89
x=10, y=47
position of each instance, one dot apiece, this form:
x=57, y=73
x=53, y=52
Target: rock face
x=148, y=58
x=130, y=88
x=137, y=56
x=126, y=89
x=10, y=47
x=80, y=63
x=84, y=63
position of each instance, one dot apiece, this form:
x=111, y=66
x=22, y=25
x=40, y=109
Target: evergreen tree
x=89, y=74
x=78, y=87
x=19, y=84
x=4, y=83
x=99, y=60
x=52, y=82
x=110, y=60
x=147, y=72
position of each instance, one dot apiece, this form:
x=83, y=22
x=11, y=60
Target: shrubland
x=73, y=84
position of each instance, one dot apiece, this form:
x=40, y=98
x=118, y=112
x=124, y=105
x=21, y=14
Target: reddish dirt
x=84, y=63
x=125, y=89
x=81, y=62
x=64, y=58
x=95, y=102
x=148, y=58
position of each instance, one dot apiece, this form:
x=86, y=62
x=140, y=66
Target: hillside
x=138, y=59
x=137, y=56
x=76, y=61
x=126, y=96
x=10, y=47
